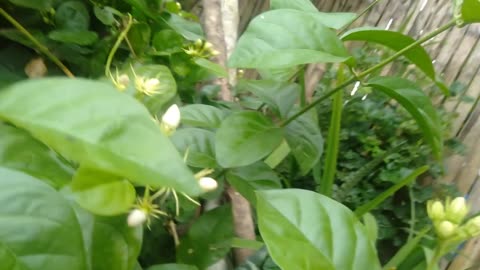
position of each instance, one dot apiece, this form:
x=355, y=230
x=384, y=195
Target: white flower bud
x=151, y=84
x=123, y=81
x=171, y=118
x=446, y=229
x=207, y=184
x=457, y=210
x=136, y=218
x=473, y=226
x=435, y=210
x=198, y=43
x=208, y=46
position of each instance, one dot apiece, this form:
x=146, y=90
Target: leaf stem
x=301, y=77
x=42, y=48
x=378, y=66
x=114, y=49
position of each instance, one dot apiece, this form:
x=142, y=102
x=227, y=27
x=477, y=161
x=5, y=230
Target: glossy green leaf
x=139, y=37
x=308, y=231
x=9, y=259
x=278, y=155
x=105, y=14
x=34, y=4
x=467, y=11
x=305, y=5
x=72, y=15
x=37, y=225
x=200, y=115
x=305, y=141
x=100, y=128
x=74, y=37
x=209, y=239
x=404, y=252
x=212, y=67
x=198, y=145
x=247, y=243
x=188, y=29
x=109, y=242
x=21, y=152
x=279, y=96
x=371, y=226
x=258, y=176
x=102, y=193
x=172, y=266
x=271, y=41
x=167, y=88
x=167, y=41
x=418, y=104
x=244, y=138
x=395, y=41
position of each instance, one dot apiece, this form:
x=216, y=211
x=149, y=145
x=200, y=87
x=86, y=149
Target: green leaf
x=139, y=37
x=371, y=225
x=109, y=242
x=102, y=193
x=271, y=41
x=172, y=266
x=9, y=259
x=34, y=4
x=167, y=41
x=246, y=243
x=200, y=115
x=404, y=252
x=244, y=138
x=212, y=67
x=395, y=41
x=198, y=145
x=305, y=5
x=360, y=211
x=72, y=15
x=467, y=11
x=166, y=90
x=100, y=128
x=21, y=152
x=188, y=29
x=418, y=104
x=279, y=96
x=278, y=155
x=308, y=231
x=305, y=141
x=258, y=176
x=209, y=239
x=105, y=14
x=38, y=225
x=80, y=37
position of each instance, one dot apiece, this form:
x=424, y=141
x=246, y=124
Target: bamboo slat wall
x=456, y=55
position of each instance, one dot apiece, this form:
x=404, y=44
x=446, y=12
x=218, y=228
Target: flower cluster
x=449, y=219
x=202, y=49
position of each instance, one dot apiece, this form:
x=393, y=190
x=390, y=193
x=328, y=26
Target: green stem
x=358, y=16
x=120, y=38
x=413, y=215
x=333, y=140
x=437, y=255
x=301, y=78
x=42, y=48
x=370, y=70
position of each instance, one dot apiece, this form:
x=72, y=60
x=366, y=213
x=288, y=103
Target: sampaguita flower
x=171, y=117
x=457, y=210
x=207, y=184
x=435, y=210
x=137, y=217
x=446, y=229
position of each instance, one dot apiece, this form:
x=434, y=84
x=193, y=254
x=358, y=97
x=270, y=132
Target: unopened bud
x=473, y=226
x=171, y=118
x=198, y=43
x=435, y=210
x=208, y=184
x=208, y=46
x=214, y=52
x=123, y=81
x=445, y=229
x=136, y=218
x=457, y=210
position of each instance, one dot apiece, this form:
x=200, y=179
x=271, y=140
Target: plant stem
x=358, y=16
x=437, y=255
x=114, y=49
x=413, y=215
x=370, y=70
x=42, y=48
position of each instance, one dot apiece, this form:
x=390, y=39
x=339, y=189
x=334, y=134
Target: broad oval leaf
x=198, y=145
x=271, y=41
x=109, y=242
x=80, y=37
x=72, y=15
x=102, y=193
x=244, y=138
x=38, y=225
x=212, y=67
x=305, y=5
x=308, y=231
x=418, y=104
x=395, y=41
x=21, y=152
x=467, y=11
x=200, y=115
x=208, y=239
x=279, y=96
x=305, y=141
x=258, y=176
x=41, y=5
x=95, y=125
